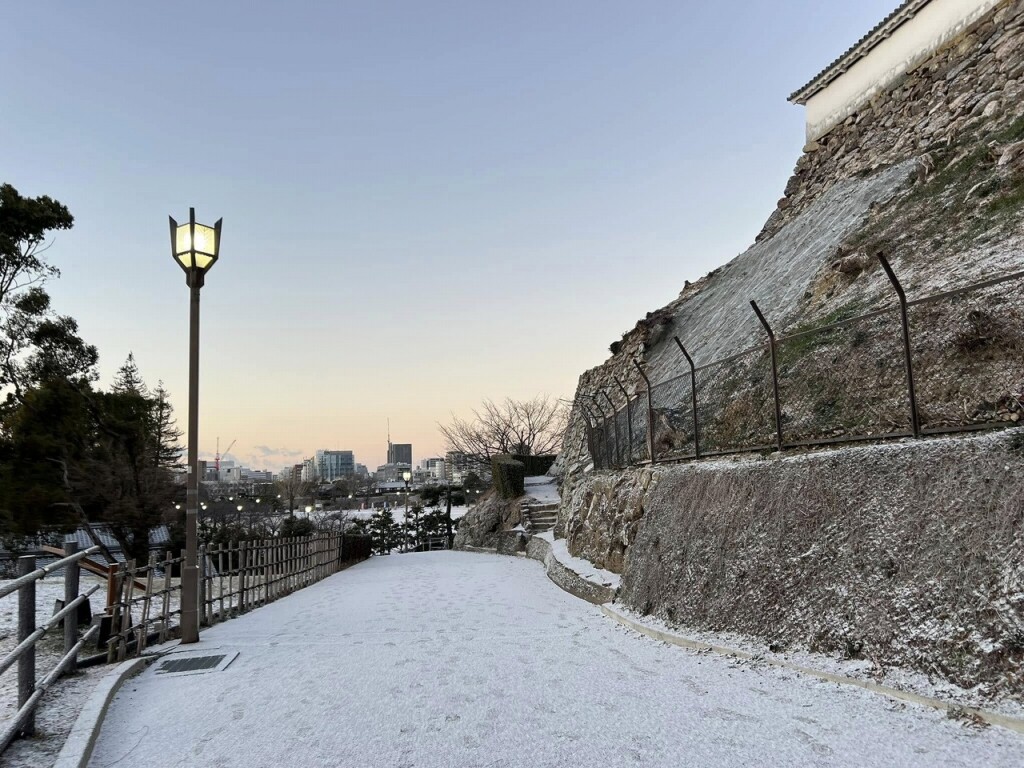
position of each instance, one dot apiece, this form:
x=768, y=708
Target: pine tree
x=128, y=379
x=384, y=531
x=167, y=451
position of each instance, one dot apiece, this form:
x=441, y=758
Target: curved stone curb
x=566, y=578
x=78, y=748
x=992, y=718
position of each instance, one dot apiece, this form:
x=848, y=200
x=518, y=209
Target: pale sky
x=425, y=204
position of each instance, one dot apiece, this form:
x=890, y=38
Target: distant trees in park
x=522, y=427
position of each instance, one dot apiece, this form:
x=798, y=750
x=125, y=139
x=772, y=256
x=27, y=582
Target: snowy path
x=457, y=659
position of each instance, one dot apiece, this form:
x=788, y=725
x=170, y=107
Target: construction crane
x=217, y=460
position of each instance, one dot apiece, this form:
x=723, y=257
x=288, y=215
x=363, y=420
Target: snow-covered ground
x=542, y=489
x=462, y=659
x=583, y=568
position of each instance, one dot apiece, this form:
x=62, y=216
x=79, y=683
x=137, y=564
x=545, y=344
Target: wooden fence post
x=71, y=593
x=242, y=552
x=26, y=626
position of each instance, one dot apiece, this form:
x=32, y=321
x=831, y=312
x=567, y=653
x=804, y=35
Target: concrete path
x=458, y=659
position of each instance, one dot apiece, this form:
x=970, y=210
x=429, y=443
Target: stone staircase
x=538, y=518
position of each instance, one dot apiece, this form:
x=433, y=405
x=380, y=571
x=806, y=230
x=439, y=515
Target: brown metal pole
x=693, y=397
x=190, y=568
x=775, y=374
x=650, y=413
x=915, y=419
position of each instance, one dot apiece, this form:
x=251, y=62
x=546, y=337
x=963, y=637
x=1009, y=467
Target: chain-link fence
x=949, y=362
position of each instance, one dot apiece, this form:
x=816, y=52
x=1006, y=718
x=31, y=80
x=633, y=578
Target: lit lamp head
x=195, y=247
x=407, y=476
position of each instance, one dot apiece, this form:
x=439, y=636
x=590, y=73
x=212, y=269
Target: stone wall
x=905, y=554
x=974, y=82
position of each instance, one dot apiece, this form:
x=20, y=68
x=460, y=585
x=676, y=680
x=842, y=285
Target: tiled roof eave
x=859, y=50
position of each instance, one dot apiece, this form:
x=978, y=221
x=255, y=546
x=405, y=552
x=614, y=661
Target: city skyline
x=423, y=207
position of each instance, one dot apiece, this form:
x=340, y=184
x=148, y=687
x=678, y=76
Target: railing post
x=693, y=396
x=204, y=619
x=241, y=576
x=775, y=374
x=629, y=419
x=26, y=626
x=915, y=419
x=615, y=426
x=71, y=593
x=650, y=413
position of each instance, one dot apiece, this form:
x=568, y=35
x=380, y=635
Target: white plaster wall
x=934, y=25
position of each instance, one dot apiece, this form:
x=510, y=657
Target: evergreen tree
x=384, y=531
x=167, y=449
x=128, y=379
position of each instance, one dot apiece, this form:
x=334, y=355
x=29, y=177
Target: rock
x=853, y=264
x=1010, y=154
x=991, y=109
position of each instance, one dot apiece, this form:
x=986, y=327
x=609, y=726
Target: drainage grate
x=191, y=664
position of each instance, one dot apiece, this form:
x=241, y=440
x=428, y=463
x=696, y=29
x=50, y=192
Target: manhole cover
x=184, y=665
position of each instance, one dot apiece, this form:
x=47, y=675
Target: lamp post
x=196, y=248
x=407, y=476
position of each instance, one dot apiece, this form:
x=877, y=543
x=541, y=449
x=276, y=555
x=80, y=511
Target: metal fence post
x=915, y=420
x=615, y=426
x=629, y=419
x=71, y=593
x=591, y=439
x=604, y=430
x=204, y=620
x=26, y=626
x=650, y=413
x=693, y=396
x=775, y=374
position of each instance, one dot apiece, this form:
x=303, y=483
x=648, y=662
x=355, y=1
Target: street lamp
x=407, y=476
x=196, y=248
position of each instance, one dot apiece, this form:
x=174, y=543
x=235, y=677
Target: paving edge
x=992, y=718
x=78, y=747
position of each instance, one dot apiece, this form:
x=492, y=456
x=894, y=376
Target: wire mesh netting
x=845, y=379
x=624, y=441
x=638, y=410
x=735, y=403
x=968, y=355
x=672, y=407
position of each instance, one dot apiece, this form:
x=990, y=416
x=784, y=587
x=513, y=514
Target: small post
x=615, y=426
x=71, y=579
x=775, y=374
x=650, y=413
x=629, y=419
x=915, y=418
x=26, y=626
x=204, y=620
x=241, y=575
x=693, y=396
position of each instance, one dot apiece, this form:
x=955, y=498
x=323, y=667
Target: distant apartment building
x=392, y=473
x=400, y=453
x=307, y=470
x=456, y=466
x=334, y=465
x=434, y=468
x=362, y=470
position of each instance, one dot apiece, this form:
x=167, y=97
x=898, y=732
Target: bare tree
x=513, y=426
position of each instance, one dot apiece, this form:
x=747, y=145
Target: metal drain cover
x=185, y=665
